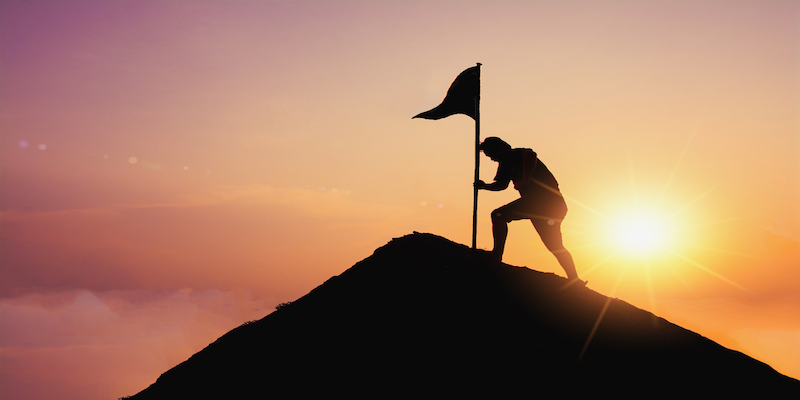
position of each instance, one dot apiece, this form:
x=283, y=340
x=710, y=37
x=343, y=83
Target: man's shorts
x=545, y=213
x=547, y=207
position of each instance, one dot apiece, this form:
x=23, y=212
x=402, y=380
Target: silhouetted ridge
x=426, y=317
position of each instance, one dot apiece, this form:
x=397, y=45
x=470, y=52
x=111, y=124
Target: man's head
x=494, y=147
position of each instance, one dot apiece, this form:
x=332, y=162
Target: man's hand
x=494, y=186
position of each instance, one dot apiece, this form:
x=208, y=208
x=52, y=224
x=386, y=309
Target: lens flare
x=640, y=234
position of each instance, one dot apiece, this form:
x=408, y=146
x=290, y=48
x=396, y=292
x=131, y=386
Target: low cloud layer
x=767, y=330
x=245, y=236
x=90, y=345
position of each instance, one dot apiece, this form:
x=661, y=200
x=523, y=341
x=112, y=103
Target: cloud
x=765, y=328
x=77, y=322
x=280, y=242
x=87, y=345
x=778, y=243
x=76, y=319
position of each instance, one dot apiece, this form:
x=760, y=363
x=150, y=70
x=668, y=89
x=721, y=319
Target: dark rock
x=424, y=316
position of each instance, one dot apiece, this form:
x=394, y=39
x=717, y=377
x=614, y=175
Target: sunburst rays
x=657, y=252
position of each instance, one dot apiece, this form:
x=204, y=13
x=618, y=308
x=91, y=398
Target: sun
x=652, y=232
x=640, y=233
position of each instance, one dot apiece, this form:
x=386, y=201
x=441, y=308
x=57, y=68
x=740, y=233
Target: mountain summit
x=426, y=317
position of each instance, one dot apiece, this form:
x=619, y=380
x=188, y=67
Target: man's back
x=512, y=168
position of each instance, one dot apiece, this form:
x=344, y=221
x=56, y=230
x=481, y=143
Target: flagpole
x=477, y=162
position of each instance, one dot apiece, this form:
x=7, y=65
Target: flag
x=460, y=98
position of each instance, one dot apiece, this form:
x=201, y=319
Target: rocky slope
x=424, y=316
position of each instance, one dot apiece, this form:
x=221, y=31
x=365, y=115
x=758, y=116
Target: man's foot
x=575, y=283
x=490, y=254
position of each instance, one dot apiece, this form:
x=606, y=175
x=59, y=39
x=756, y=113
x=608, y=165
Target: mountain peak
x=426, y=316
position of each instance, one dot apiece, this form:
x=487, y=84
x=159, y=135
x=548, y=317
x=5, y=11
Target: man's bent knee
x=497, y=216
x=501, y=215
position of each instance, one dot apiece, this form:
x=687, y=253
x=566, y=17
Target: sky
x=171, y=170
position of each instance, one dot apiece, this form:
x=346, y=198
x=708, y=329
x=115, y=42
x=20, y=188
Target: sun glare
x=640, y=234
x=648, y=240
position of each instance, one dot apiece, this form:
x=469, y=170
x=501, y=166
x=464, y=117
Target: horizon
x=171, y=170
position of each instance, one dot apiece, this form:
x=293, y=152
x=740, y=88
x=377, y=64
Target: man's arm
x=495, y=186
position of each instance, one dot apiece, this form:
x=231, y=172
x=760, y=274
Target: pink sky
x=169, y=170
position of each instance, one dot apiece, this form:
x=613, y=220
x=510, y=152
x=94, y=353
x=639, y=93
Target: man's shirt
x=512, y=168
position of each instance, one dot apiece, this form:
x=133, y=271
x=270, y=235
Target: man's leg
x=550, y=232
x=499, y=233
x=500, y=219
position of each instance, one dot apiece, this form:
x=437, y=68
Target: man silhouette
x=540, y=201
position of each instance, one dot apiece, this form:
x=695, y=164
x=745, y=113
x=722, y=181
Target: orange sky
x=170, y=170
